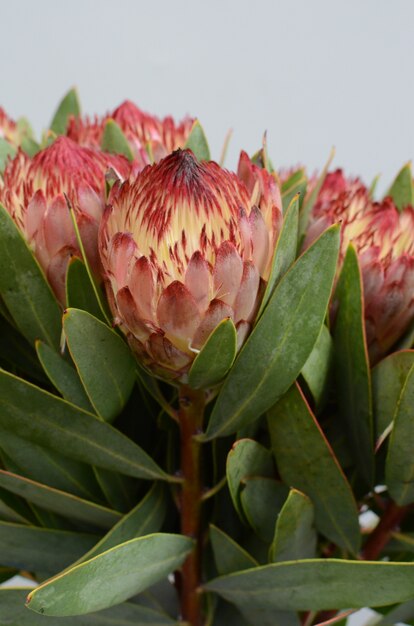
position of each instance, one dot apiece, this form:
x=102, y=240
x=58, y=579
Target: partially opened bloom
x=33, y=191
x=183, y=246
x=384, y=241
x=143, y=131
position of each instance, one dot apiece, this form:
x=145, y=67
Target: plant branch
x=380, y=536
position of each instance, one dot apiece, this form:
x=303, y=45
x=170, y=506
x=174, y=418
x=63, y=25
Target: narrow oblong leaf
x=111, y=577
x=282, y=340
x=262, y=500
x=95, y=348
x=246, y=458
x=65, y=504
x=197, y=142
x=12, y=602
x=295, y=185
x=318, y=585
x=69, y=105
x=114, y=140
x=295, y=536
x=80, y=292
x=31, y=413
x=228, y=555
x=215, y=358
x=39, y=549
x=402, y=189
x=307, y=462
x=399, y=467
x=352, y=367
x=285, y=251
x=24, y=289
x=63, y=376
x=318, y=367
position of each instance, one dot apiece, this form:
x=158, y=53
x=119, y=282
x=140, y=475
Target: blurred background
x=312, y=73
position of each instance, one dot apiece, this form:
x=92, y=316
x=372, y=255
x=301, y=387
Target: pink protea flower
x=142, y=130
x=184, y=246
x=384, y=240
x=33, y=191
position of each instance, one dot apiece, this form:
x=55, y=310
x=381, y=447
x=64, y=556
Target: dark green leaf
x=114, y=140
x=282, y=340
x=402, y=190
x=307, y=462
x=80, y=293
x=295, y=536
x=63, y=376
x=247, y=458
x=318, y=366
x=197, y=142
x=215, y=358
x=402, y=614
x=14, y=509
x=104, y=362
x=317, y=585
x=34, y=414
x=285, y=251
x=18, y=353
x=57, y=501
x=68, y=106
x=262, y=500
x=228, y=555
x=111, y=577
x=6, y=151
x=352, y=367
x=399, y=468
x=24, y=289
x=38, y=549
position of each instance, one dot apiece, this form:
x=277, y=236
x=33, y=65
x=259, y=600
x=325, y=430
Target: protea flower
x=143, y=131
x=384, y=240
x=33, y=193
x=185, y=245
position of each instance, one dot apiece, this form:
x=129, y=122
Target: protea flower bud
x=33, y=193
x=185, y=245
x=384, y=240
x=143, y=131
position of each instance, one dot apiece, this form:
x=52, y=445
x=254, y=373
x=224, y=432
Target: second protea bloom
x=384, y=241
x=185, y=245
x=35, y=192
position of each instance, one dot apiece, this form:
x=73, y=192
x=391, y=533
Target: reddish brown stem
x=380, y=536
x=191, y=421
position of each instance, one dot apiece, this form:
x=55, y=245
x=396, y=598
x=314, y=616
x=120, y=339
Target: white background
x=314, y=73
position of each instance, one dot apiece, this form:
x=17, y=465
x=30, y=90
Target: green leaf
x=111, y=577
x=61, y=502
x=295, y=536
x=146, y=518
x=215, y=358
x=228, y=555
x=388, y=379
x=14, y=509
x=68, y=106
x=306, y=462
x=246, y=458
x=281, y=342
x=6, y=151
x=18, y=353
x=104, y=362
x=399, y=468
x=63, y=376
x=318, y=585
x=402, y=614
x=309, y=202
x=34, y=414
x=318, y=367
x=114, y=140
x=402, y=189
x=262, y=500
x=352, y=367
x=127, y=614
x=24, y=288
x=297, y=188
x=39, y=549
x=48, y=467
x=80, y=293
x=285, y=251
x=197, y=142
x=30, y=146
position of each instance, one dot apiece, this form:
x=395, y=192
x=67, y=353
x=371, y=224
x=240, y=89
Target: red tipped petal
x=35, y=213
x=178, y=314
x=246, y=299
x=90, y=202
x=198, y=280
x=122, y=250
x=56, y=272
x=227, y=273
x=260, y=240
x=216, y=312
x=165, y=353
x=130, y=315
x=58, y=227
x=141, y=282
x=243, y=329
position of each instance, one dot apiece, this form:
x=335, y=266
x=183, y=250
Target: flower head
x=142, y=130
x=384, y=241
x=184, y=246
x=33, y=191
